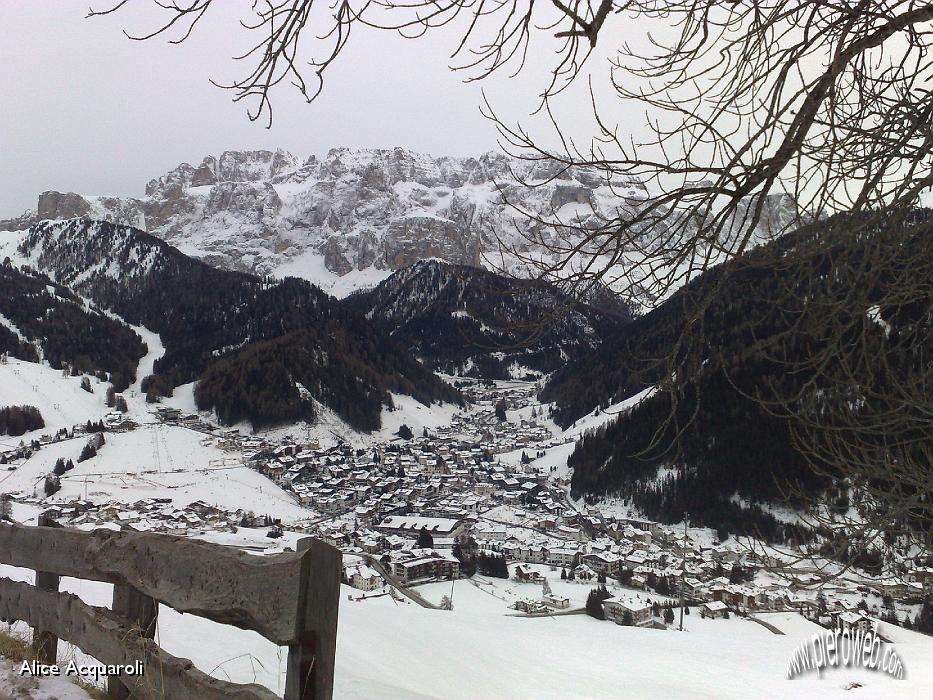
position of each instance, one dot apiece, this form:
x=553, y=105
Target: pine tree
x=668, y=615
x=425, y=541
x=594, y=602
x=88, y=452
x=563, y=574
x=52, y=485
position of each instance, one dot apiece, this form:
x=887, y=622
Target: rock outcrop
x=367, y=211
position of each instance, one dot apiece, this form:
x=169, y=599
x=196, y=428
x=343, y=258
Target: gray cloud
x=87, y=110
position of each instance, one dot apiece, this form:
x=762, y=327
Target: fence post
x=310, y=671
x=46, y=643
x=142, y=613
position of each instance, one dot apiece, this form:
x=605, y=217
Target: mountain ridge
x=205, y=316
x=467, y=320
x=350, y=218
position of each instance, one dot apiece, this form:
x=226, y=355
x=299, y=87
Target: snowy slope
x=59, y=398
x=156, y=461
x=395, y=651
x=12, y=684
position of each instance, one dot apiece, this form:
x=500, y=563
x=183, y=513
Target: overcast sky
x=89, y=111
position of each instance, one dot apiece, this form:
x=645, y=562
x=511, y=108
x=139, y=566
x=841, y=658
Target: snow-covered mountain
x=369, y=211
x=43, y=320
x=262, y=350
x=466, y=320
x=349, y=219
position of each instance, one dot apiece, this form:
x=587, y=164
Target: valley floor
x=389, y=648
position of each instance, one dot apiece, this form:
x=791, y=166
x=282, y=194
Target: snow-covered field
x=60, y=399
x=156, y=461
x=393, y=651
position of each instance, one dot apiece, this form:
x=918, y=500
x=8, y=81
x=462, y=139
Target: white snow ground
x=60, y=399
x=14, y=685
x=395, y=651
x=156, y=461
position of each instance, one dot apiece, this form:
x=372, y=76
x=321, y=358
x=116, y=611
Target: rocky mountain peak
x=352, y=217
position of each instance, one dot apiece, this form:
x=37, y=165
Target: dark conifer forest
x=252, y=339
x=767, y=317
x=18, y=420
x=272, y=382
x=68, y=332
x=469, y=321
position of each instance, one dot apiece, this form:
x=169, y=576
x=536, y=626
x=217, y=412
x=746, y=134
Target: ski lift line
x=155, y=448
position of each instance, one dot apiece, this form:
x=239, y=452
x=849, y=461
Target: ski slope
x=60, y=399
x=155, y=461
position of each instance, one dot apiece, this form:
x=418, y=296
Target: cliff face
x=356, y=210
x=368, y=211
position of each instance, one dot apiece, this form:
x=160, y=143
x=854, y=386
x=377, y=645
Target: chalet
x=853, y=621
x=693, y=587
x=335, y=538
x=721, y=593
x=575, y=534
x=525, y=574
x=426, y=564
x=922, y=575
x=562, y=556
x=714, y=609
x=616, y=607
x=893, y=587
x=411, y=526
x=530, y=606
x=556, y=601
x=363, y=577
x=602, y=562
x=493, y=534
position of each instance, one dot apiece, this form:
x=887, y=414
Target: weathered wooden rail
x=290, y=599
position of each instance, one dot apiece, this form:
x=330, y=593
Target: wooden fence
x=290, y=599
